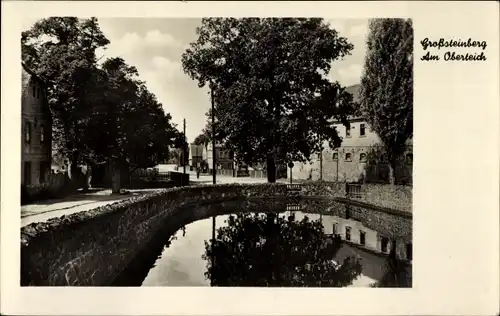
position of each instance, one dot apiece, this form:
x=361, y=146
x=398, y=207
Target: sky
x=155, y=45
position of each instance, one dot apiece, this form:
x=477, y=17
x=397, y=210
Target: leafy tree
x=271, y=250
x=128, y=142
x=273, y=98
x=96, y=107
x=61, y=50
x=386, y=93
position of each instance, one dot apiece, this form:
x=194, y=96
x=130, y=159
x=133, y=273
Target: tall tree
x=273, y=98
x=96, y=107
x=129, y=142
x=202, y=139
x=386, y=93
x=61, y=50
x=272, y=250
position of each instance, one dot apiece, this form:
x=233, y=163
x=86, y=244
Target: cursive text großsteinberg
x=426, y=43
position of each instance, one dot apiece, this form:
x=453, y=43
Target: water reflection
x=257, y=249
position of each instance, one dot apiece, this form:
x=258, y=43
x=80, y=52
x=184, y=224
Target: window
x=42, y=134
x=38, y=93
x=27, y=172
x=362, y=157
x=348, y=157
x=362, y=130
x=348, y=233
x=409, y=159
x=335, y=156
x=27, y=132
x=409, y=251
x=335, y=228
x=384, y=158
x=44, y=170
x=384, y=244
x=348, y=131
x=34, y=90
x=362, y=237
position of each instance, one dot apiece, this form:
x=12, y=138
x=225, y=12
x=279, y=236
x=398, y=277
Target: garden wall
x=56, y=185
x=93, y=248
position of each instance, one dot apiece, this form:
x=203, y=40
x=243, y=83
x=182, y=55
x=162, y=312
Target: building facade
x=36, y=139
x=224, y=157
x=195, y=155
x=361, y=156
x=355, y=233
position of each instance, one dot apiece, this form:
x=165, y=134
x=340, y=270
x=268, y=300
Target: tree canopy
x=273, y=98
x=386, y=92
x=272, y=250
x=101, y=110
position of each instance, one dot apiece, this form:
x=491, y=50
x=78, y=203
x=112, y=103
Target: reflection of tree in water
x=174, y=237
x=270, y=250
x=397, y=273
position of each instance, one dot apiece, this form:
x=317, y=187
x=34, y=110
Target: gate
x=353, y=190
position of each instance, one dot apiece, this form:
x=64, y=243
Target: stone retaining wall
x=92, y=248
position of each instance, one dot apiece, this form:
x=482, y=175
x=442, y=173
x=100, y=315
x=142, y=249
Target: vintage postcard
x=285, y=158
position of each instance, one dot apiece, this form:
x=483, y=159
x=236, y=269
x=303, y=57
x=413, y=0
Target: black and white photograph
x=250, y=158
x=220, y=152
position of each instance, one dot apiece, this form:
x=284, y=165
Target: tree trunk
x=73, y=171
x=86, y=181
x=392, y=176
x=271, y=170
x=115, y=178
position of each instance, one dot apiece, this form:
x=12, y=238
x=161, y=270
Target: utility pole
x=184, y=147
x=214, y=153
x=321, y=165
x=338, y=157
x=214, y=171
x=321, y=162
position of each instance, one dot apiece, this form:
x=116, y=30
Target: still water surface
x=181, y=263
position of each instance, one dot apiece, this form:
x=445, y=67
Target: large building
x=359, y=158
x=36, y=139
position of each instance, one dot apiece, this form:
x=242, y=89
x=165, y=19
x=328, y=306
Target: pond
x=262, y=249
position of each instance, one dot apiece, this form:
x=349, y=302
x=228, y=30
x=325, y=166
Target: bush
x=57, y=185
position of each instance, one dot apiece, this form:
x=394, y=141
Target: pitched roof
x=354, y=90
x=26, y=75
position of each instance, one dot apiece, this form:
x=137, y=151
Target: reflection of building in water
x=357, y=234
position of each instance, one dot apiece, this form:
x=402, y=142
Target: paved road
x=45, y=210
